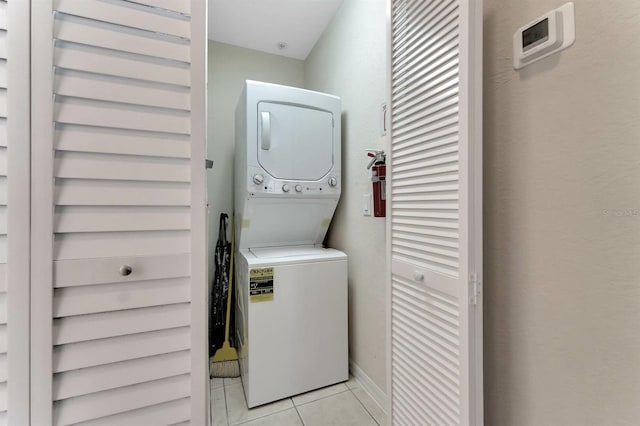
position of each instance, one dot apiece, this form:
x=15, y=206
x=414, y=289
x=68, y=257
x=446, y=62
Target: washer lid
x=294, y=142
x=294, y=254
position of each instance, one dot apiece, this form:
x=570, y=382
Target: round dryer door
x=294, y=142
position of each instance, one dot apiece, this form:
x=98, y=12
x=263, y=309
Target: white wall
x=562, y=220
x=229, y=67
x=349, y=61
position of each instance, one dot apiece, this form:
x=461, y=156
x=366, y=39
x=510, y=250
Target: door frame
x=199, y=267
x=18, y=220
x=387, y=182
x=41, y=221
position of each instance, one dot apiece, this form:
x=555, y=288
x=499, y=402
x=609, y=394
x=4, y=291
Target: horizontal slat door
x=124, y=143
x=435, y=236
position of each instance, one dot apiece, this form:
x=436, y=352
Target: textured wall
x=562, y=220
x=229, y=67
x=349, y=61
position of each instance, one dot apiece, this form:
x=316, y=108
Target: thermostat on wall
x=544, y=36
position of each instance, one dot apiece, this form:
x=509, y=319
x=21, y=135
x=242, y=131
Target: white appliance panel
x=268, y=222
x=295, y=142
x=298, y=341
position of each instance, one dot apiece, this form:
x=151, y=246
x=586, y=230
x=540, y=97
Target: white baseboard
x=368, y=385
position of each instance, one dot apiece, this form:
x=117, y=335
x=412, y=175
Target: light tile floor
x=344, y=404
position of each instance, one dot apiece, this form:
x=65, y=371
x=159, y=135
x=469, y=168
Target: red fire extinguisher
x=378, y=177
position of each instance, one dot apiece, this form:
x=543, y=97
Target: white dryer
x=287, y=173
x=291, y=314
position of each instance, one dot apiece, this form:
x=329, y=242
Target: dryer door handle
x=266, y=130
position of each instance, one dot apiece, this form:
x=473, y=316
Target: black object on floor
x=220, y=287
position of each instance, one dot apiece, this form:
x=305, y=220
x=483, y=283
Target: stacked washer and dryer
x=291, y=313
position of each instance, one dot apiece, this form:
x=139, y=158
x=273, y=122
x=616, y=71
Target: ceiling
x=264, y=24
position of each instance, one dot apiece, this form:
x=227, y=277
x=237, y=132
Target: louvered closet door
x=119, y=287
x=435, y=213
x=14, y=212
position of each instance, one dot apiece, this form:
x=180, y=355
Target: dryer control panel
x=259, y=184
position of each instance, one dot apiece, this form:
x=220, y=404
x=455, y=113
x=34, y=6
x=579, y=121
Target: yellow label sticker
x=246, y=223
x=261, y=284
x=256, y=298
x=325, y=222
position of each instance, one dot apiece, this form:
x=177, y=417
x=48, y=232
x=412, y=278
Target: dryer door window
x=294, y=142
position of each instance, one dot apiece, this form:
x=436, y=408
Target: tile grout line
x=262, y=417
x=363, y=406
x=259, y=417
x=226, y=407
x=321, y=398
x=295, y=407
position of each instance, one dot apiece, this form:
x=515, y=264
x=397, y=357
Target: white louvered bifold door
x=118, y=201
x=435, y=207
x=14, y=212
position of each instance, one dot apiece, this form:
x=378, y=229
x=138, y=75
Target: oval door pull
x=418, y=276
x=125, y=270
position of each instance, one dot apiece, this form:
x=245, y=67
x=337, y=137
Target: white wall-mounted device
x=544, y=36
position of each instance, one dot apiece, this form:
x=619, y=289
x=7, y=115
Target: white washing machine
x=291, y=318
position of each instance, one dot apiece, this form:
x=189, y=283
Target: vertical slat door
x=14, y=213
x=119, y=286
x=435, y=206
x=4, y=225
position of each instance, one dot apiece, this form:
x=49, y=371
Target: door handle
x=125, y=270
x=266, y=130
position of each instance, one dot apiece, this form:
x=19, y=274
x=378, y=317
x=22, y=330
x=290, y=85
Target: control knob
x=298, y=188
x=333, y=181
x=258, y=179
x=285, y=188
